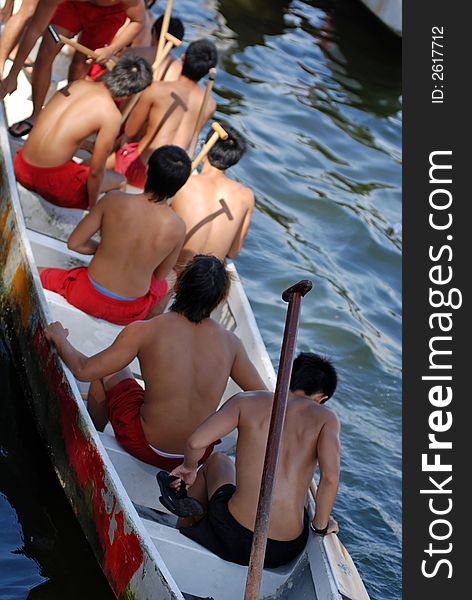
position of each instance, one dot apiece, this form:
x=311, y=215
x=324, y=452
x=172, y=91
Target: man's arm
x=242, y=233
x=243, y=372
x=80, y=239
x=328, y=450
x=135, y=12
x=214, y=427
x=169, y=262
x=114, y=358
x=6, y=11
x=36, y=27
x=101, y=151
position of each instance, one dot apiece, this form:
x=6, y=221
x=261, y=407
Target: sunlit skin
x=82, y=109
x=170, y=108
x=217, y=212
x=310, y=438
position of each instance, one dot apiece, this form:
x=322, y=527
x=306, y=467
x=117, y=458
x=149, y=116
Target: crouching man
x=231, y=492
x=81, y=109
x=186, y=358
x=141, y=238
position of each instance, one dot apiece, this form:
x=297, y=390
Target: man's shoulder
x=240, y=192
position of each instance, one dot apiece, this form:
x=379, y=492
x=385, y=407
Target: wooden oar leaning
x=164, y=29
x=345, y=572
x=201, y=114
x=171, y=42
x=218, y=133
x=59, y=38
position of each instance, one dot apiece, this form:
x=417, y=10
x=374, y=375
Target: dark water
x=43, y=553
x=316, y=88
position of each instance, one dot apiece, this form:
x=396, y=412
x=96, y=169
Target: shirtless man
x=45, y=164
x=141, y=238
x=310, y=436
x=185, y=358
x=216, y=210
x=97, y=20
x=171, y=109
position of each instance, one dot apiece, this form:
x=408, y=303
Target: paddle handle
x=84, y=50
x=201, y=114
x=294, y=295
x=218, y=133
x=164, y=28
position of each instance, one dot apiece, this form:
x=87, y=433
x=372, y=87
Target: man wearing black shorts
x=310, y=437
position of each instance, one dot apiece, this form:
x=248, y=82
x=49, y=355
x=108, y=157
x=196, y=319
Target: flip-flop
x=28, y=128
x=177, y=502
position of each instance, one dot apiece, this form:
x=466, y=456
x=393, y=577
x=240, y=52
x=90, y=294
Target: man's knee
x=218, y=462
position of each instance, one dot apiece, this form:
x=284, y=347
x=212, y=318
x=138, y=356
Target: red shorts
x=97, y=71
x=124, y=405
x=65, y=185
x=128, y=163
x=76, y=287
x=98, y=24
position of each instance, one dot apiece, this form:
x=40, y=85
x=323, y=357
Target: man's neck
x=208, y=169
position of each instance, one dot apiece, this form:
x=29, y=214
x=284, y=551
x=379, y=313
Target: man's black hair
x=226, y=153
x=131, y=75
x=176, y=27
x=200, y=57
x=313, y=374
x=168, y=169
x=200, y=288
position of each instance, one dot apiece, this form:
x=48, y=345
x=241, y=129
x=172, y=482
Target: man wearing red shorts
x=141, y=238
x=186, y=359
x=97, y=21
x=171, y=109
x=84, y=108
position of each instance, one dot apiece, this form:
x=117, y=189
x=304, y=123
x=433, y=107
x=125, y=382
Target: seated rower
x=171, y=109
x=45, y=164
x=231, y=493
x=186, y=358
x=141, y=238
x=216, y=210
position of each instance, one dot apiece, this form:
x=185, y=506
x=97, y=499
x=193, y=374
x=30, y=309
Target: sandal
x=27, y=127
x=177, y=502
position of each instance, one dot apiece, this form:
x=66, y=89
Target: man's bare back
x=75, y=112
x=171, y=109
x=216, y=211
x=186, y=367
x=139, y=238
x=297, y=461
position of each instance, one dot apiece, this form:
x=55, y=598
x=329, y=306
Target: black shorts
x=224, y=536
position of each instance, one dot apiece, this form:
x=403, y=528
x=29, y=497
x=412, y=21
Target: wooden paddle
x=218, y=133
x=201, y=114
x=344, y=570
x=59, y=38
x=171, y=42
x=293, y=296
x=164, y=29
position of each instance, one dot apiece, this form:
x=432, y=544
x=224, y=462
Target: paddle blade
x=344, y=570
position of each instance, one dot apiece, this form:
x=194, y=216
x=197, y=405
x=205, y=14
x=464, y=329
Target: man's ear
x=182, y=58
x=319, y=397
